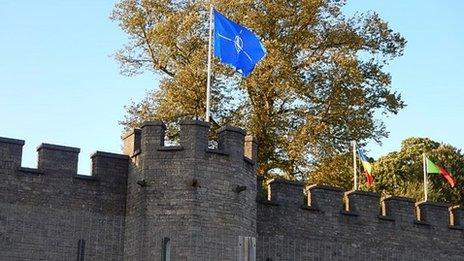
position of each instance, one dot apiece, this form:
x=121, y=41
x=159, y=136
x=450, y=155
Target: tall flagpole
x=355, y=167
x=424, y=160
x=208, y=80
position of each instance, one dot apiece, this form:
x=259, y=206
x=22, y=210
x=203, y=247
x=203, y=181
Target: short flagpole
x=424, y=160
x=208, y=80
x=355, y=167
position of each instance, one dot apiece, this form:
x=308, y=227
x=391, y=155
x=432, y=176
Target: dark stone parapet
x=433, y=213
x=154, y=123
x=363, y=205
x=45, y=211
x=61, y=162
x=57, y=158
x=286, y=192
x=325, y=198
x=398, y=209
x=457, y=216
x=47, y=146
x=11, y=151
x=11, y=141
x=132, y=142
x=227, y=128
x=109, y=155
x=251, y=148
x=149, y=142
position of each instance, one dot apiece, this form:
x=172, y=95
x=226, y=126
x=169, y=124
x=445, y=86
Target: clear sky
x=59, y=83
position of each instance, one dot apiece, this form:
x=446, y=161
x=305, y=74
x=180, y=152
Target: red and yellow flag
x=367, y=168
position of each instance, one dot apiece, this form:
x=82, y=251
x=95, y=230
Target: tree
x=334, y=171
x=319, y=87
x=399, y=173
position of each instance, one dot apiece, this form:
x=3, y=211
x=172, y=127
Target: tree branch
x=156, y=63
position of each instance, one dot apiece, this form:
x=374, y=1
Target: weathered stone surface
x=354, y=226
x=190, y=196
x=44, y=212
x=201, y=200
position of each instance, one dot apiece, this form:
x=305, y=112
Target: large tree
x=400, y=172
x=336, y=170
x=320, y=86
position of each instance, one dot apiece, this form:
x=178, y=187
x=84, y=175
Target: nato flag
x=236, y=45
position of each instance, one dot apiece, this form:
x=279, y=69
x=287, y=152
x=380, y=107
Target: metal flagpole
x=424, y=160
x=208, y=80
x=355, y=167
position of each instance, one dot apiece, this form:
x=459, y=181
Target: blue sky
x=59, y=83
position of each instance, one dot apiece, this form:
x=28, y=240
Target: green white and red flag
x=433, y=168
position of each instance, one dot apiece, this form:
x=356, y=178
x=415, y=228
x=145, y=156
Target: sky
x=60, y=84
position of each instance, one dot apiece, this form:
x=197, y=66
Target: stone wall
x=200, y=199
x=196, y=202
x=45, y=212
x=330, y=224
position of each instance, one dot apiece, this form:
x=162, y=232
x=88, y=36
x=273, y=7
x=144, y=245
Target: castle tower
x=189, y=202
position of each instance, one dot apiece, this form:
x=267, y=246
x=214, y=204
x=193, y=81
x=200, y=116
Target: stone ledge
x=85, y=177
x=324, y=187
x=30, y=170
x=194, y=122
x=153, y=123
x=58, y=147
x=231, y=129
x=12, y=141
x=361, y=192
x=398, y=198
x=290, y=182
x=109, y=155
x=170, y=148
x=432, y=203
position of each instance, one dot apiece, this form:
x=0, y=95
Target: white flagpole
x=208, y=80
x=424, y=160
x=355, y=167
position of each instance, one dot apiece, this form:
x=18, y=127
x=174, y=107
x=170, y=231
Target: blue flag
x=236, y=45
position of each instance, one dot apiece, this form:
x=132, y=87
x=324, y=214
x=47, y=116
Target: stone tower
x=189, y=202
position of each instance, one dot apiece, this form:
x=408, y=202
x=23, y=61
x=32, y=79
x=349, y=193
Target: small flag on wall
x=433, y=168
x=367, y=167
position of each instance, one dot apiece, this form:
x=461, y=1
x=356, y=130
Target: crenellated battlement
x=149, y=142
x=45, y=211
x=328, y=223
x=58, y=160
x=11, y=151
x=189, y=189
x=202, y=201
x=361, y=205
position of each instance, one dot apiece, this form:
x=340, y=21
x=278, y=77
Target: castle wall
x=336, y=225
x=199, y=199
x=193, y=203
x=46, y=213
